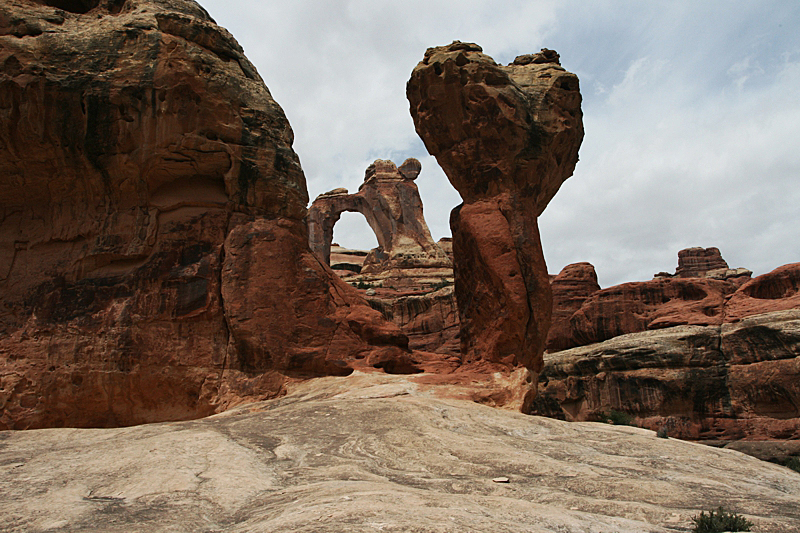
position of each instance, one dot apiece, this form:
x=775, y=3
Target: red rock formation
x=390, y=201
x=696, y=262
x=640, y=306
x=727, y=382
x=734, y=374
x=153, y=251
x=429, y=320
x=672, y=301
x=507, y=137
x=775, y=291
x=571, y=287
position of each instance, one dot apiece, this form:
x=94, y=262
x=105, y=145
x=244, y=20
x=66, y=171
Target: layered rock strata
x=720, y=365
x=154, y=260
x=507, y=137
x=696, y=262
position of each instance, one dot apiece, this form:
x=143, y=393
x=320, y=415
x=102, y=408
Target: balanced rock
x=154, y=262
x=507, y=137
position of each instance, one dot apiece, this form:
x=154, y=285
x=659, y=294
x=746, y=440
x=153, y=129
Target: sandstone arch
x=390, y=201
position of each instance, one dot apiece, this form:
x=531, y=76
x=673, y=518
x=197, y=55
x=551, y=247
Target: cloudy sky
x=691, y=110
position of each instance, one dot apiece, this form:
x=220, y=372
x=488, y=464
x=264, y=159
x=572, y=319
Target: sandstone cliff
x=154, y=262
x=698, y=357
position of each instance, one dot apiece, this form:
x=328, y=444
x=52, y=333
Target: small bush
x=618, y=418
x=720, y=521
x=793, y=463
x=440, y=285
x=662, y=433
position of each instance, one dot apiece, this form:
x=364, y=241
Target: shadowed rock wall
x=151, y=214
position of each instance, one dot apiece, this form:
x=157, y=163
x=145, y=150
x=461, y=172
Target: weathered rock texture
x=727, y=382
x=361, y=454
x=390, y=201
x=430, y=320
x=507, y=137
x=571, y=287
x=696, y=262
x=154, y=262
x=697, y=356
x=663, y=302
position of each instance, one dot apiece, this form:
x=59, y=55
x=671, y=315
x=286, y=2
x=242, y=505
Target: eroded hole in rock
x=353, y=232
x=74, y=6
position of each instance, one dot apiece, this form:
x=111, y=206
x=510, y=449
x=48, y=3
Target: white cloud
x=691, y=113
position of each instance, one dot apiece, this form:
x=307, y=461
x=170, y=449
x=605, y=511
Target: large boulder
x=507, y=137
x=154, y=262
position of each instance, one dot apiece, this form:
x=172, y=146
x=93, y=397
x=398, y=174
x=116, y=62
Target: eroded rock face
x=507, y=137
x=729, y=381
x=696, y=262
x=699, y=357
x=390, y=201
x=668, y=301
x=571, y=287
x=775, y=291
x=146, y=170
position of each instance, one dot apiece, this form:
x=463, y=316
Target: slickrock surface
x=507, y=137
x=390, y=201
x=370, y=453
x=154, y=261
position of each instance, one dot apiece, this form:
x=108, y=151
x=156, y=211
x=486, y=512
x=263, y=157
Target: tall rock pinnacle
x=507, y=137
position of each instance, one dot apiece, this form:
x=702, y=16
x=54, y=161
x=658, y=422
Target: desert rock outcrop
x=151, y=209
x=507, y=137
x=390, y=201
x=694, y=355
x=571, y=287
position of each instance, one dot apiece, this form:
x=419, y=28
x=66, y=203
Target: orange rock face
x=507, y=137
x=571, y=287
x=696, y=356
x=153, y=254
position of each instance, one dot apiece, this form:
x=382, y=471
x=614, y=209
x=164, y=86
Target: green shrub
x=440, y=284
x=793, y=463
x=662, y=433
x=618, y=418
x=719, y=521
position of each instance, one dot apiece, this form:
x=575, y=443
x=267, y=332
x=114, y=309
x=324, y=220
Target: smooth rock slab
x=372, y=452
